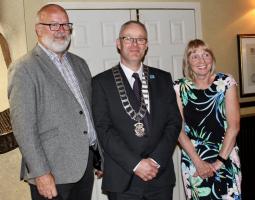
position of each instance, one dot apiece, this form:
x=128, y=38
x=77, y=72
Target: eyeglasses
x=130, y=40
x=56, y=26
x=195, y=57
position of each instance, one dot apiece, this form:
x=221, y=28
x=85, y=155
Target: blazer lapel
x=83, y=80
x=52, y=70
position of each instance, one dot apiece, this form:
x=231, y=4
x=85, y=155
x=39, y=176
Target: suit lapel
x=129, y=90
x=152, y=92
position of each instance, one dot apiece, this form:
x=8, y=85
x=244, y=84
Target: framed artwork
x=246, y=58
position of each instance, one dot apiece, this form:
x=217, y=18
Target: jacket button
x=81, y=112
x=85, y=132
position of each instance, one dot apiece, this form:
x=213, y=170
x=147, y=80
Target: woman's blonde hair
x=192, y=46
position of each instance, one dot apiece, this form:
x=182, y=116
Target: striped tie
x=137, y=87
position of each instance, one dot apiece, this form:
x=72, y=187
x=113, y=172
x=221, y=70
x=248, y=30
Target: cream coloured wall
x=221, y=21
x=3, y=84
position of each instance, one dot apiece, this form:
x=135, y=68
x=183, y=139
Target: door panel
x=169, y=31
x=94, y=36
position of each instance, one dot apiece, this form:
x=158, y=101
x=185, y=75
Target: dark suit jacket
x=122, y=148
x=47, y=119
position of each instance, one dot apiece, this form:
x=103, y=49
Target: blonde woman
x=209, y=106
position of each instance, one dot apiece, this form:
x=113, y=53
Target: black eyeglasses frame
x=56, y=26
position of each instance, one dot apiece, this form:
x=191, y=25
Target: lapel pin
x=152, y=76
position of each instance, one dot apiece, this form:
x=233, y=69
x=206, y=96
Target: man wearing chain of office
x=137, y=121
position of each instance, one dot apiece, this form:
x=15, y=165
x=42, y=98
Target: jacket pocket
x=51, y=133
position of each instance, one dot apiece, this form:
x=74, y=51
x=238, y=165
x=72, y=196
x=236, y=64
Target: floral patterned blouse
x=205, y=124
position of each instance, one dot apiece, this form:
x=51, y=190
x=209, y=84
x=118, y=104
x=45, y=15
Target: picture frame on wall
x=246, y=59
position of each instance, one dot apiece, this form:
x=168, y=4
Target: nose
x=61, y=28
x=202, y=59
x=134, y=42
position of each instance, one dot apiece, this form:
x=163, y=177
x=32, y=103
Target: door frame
x=139, y=5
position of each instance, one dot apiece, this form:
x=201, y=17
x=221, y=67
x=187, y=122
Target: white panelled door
x=94, y=36
x=169, y=30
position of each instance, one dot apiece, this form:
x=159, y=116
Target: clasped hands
x=147, y=169
x=205, y=169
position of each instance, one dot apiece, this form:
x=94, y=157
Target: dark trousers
x=143, y=193
x=81, y=190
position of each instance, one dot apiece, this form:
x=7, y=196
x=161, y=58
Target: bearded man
x=50, y=102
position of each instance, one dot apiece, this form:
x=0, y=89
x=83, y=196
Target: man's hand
x=147, y=169
x=99, y=174
x=46, y=186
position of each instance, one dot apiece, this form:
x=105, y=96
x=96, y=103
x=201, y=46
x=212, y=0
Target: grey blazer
x=47, y=120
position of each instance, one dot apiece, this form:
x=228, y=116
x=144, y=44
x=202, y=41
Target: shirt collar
x=128, y=72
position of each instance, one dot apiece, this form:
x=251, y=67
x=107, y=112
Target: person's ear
x=118, y=45
x=38, y=30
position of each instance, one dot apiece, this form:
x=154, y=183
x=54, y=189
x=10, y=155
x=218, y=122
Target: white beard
x=56, y=46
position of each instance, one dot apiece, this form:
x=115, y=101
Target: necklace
x=136, y=116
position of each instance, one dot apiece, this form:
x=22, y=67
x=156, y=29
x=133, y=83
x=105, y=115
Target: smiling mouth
x=135, y=52
x=60, y=39
x=202, y=67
